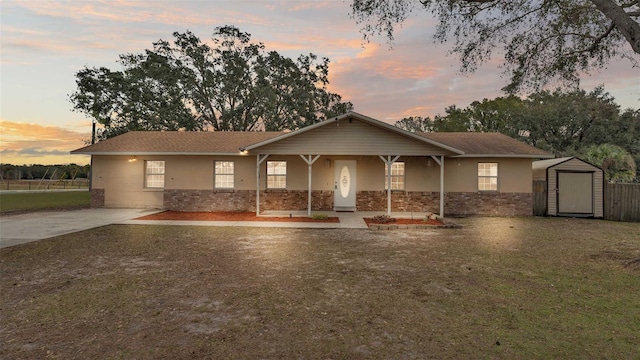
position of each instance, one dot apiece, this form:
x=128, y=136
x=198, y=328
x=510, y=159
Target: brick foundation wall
x=245, y=200
x=456, y=204
x=97, y=198
x=209, y=200
x=488, y=204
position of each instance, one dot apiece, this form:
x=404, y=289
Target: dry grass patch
x=498, y=288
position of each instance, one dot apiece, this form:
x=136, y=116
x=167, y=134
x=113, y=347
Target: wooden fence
x=621, y=201
x=539, y=198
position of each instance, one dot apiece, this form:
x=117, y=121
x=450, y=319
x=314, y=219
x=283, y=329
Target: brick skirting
x=97, y=198
x=245, y=200
x=209, y=200
x=488, y=204
x=456, y=204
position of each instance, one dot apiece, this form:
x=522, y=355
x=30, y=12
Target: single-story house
x=573, y=187
x=348, y=163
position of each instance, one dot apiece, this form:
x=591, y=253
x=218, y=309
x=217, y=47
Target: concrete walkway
x=23, y=228
x=347, y=221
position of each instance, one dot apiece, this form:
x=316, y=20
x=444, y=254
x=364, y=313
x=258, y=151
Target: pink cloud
x=24, y=143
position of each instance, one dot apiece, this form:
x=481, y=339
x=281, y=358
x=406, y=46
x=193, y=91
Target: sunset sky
x=44, y=43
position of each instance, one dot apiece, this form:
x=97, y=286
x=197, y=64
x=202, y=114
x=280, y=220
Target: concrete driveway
x=23, y=228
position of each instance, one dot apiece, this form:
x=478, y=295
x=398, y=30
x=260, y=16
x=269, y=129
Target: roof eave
x=527, y=156
x=129, y=153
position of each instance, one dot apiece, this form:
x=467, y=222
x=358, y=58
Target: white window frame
x=220, y=173
x=153, y=169
x=488, y=179
x=398, y=171
x=275, y=173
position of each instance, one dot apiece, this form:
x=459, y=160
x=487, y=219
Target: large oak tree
x=231, y=85
x=542, y=41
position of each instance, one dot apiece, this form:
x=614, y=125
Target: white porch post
x=441, y=163
x=389, y=162
x=259, y=160
x=309, y=162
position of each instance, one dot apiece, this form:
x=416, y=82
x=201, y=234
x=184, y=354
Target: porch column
x=441, y=163
x=259, y=160
x=309, y=162
x=389, y=162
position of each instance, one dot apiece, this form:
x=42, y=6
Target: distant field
x=43, y=184
x=43, y=200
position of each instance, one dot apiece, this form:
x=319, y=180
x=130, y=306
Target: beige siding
x=123, y=182
x=197, y=172
x=350, y=138
x=575, y=165
x=461, y=174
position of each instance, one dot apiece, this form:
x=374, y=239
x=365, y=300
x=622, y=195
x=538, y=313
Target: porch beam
x=389, y=162
x=441, y=163
x=309, y=160
x=259, y=160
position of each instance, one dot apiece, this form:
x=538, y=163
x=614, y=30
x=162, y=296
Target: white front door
x=344, y=194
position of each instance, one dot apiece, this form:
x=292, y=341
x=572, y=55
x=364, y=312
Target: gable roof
x=487, y=144
x=364, y=119
x=543, y=164
x=176, y=142
x=232, y=143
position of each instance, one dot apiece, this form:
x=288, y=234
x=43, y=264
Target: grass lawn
x=27, y=201
x=510, y=288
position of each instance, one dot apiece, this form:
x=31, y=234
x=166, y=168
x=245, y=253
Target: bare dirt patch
x=502, y=288
x=230, y=216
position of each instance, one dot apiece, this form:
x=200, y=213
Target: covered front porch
x=354, y=183
x=351, y=159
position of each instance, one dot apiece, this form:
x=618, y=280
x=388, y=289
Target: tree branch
x=623, y=22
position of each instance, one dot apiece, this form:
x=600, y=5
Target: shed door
x=575, y=193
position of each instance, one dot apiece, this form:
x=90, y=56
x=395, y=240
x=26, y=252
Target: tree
x=502, y=114
x=187, y=84
x=415, y=124
x=617, y=164
x=542, y=41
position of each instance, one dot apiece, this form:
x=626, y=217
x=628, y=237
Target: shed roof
x=543, y=164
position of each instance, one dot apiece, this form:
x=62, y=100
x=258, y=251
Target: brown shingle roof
x=486, y=144
x=184, y=142
x=188, y=142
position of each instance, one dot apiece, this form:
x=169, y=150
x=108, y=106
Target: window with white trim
x=276, y=174
x=224, y=175
x=397, y=176
x=487, y=176
x=154, y=174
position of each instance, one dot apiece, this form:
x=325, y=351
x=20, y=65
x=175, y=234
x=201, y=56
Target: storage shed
x=573, y=187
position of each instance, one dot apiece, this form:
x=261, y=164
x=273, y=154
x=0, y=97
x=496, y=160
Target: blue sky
x=44, y=43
